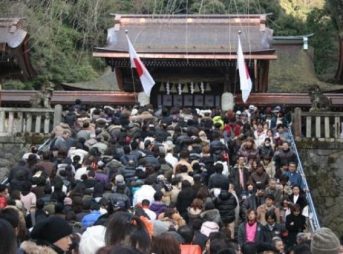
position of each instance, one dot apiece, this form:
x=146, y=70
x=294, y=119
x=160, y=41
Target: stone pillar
x=57, y=114
x=2, y=121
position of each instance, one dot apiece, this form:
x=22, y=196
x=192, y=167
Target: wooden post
x=57, y=114
x=297, y=122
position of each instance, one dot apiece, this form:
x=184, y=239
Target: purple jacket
x=101, y=177
x=157, y=207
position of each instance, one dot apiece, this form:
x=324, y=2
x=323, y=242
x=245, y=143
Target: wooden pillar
x=120, y=80
x=297, y=123
x=265, y=74
x=256, y=75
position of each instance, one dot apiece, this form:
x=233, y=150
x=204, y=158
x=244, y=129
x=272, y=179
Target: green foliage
x=335, y=9
x=208, y=7
x=325, y=47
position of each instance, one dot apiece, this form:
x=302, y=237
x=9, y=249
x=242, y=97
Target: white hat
x=92, y=239
x=208, y=227
x=119, y=180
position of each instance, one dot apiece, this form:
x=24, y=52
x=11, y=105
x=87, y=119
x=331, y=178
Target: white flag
x=145, y=77
x=244, y=77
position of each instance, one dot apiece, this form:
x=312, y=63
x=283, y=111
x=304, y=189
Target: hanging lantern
x=196, y=88
x=208, y=88
x=192, y=88
x=173, y=89
x=179, y=88
x=185, y=89
x=202, y=88
x=168, y=88
x=162, y=88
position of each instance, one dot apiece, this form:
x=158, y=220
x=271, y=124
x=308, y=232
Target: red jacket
x=3, y=202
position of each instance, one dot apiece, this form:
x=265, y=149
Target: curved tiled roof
x=11, y=32
x=189, y=34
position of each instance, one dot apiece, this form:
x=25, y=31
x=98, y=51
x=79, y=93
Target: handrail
x=5, y=181
x=314, y=222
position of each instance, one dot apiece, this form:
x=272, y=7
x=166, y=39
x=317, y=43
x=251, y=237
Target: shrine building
x=192, y=58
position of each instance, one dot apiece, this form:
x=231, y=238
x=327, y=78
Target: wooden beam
x=185, y=56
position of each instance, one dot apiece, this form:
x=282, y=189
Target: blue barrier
x=313, y=218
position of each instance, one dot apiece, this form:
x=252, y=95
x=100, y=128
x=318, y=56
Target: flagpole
x=132, y=75
x=238, y=34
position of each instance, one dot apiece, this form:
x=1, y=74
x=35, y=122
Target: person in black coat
x=218, y=180
x=185, y=198
x=234, y=177
x=297, y=198
x=295, y=223
x=226, y=203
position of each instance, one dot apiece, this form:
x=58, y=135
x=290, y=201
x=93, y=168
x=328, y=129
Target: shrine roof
x=179, y=35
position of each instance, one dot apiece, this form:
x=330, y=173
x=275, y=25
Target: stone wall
x=11, y=150
x=323, y=166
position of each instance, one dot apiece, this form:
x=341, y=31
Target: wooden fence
x=29, y=120
x=324, y=126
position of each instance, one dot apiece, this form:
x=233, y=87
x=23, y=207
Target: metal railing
x=313, y=218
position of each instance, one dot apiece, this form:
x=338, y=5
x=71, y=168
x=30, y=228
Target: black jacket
x=226, y=204
x=218, y=181
x=184, y=200
x=269, y=233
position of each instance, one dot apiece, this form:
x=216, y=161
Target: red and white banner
x=145, y=77
x=244, y=77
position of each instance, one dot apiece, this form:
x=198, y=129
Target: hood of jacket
x=32, y=248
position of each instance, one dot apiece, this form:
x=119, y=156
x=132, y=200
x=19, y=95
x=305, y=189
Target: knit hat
x=208, y=227
x=325, y=241
x=160, y=227
x=92, y=239
x=119, y=180
x=68, y=201
x=51, y=230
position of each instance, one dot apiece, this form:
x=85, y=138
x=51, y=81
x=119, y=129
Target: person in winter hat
x=50, y=236
x=324, y=241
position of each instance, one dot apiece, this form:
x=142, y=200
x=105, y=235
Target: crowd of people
x=166, y=181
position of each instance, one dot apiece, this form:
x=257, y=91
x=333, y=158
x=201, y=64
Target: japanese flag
x=144, y=76
x=244, y=77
